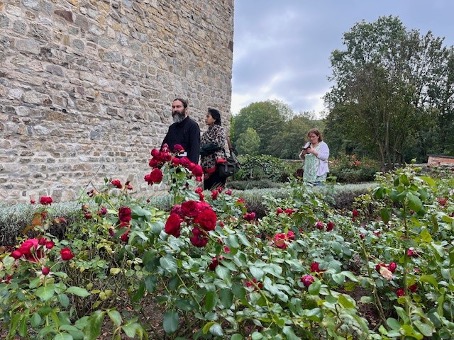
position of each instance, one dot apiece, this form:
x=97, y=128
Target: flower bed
x=304, y=270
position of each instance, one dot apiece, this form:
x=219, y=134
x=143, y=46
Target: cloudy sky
x=282, y=47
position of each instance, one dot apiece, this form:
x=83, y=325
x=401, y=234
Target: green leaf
x=257, y=272
x=346, y=302
x=393, y=323
x=115, y=317
x=216, y=329
x=232, y=241
x=63, y=336
x=169, y=264
x=114, y=271
x=75, y=332
x=430, y=279
x=244, y=239
x=210, y=301
x=93, y=329
x=222, y=272
x=424, y=328
x=63, y=299
x=150, y=283
x=45, y=292
x=226, y=297
x=236, y=336
x=139, y=293
x=338, y=278
x=82, y=292
x=314, y=288
x=385, y=215
x=414, y=202
x=170, y=322
x=366, y=299
x=35, y=320
x=288, y=331
x=131, y=329
x=207, y=326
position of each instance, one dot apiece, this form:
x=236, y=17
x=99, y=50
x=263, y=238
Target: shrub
x=350, y=169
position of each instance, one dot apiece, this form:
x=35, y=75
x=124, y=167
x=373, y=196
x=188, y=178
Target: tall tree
x=249, y=142
x=266, y=118
x=389, y=83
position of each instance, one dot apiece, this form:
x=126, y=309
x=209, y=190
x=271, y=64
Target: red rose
x=411, y=252
x=206, y=219
x=307, y=280
x=413, y=288
x=279, y=240
x=249, y=216
x=392, y=267
x=290, y=235
x=153, y=163
x=320, y=225
x=228, y=192
x=175, y=161
x=355, y=213
x=66, y=254
x=116, y=183
x=315, y=267
x=190, y=208
x=102, y=211
x=214, y=263
x=50, y=244
x=330, y=226
x=173, y=225
x=289, y=211
x=16, y=254
x=442, y=201
x=177, y=148
x=155, y=176
x=279, y=211
x=198, y=238
x=125, y=236
x=197, y=170
x=254, y=284
x=29, y=246
x=124, y=214
x=45, y=270
x=214, y=194
x=45, y=200
x=400, y=292
x=155, y=152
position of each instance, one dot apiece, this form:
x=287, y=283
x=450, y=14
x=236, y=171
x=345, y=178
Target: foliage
x=351, y=169
x=391, y=84
x=215, y=270
x=248, y=142
x=264, y=167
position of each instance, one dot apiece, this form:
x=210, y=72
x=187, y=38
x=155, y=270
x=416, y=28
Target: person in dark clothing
x=184, y=131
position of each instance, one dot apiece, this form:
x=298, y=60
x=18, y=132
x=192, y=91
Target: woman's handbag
x=229, y=167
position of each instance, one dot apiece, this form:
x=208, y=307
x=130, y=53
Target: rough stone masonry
x=86, y=87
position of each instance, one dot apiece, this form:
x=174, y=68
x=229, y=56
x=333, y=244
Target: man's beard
x=178, y=116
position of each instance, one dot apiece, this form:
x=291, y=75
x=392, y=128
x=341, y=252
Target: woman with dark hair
x=212, y=150
x=315, y=156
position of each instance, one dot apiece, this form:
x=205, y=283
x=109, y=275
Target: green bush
x=265, y=167
x=349, y=169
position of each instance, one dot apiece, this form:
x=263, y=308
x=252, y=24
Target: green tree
x=390, y=84
x=249, y=142
x=266, y=118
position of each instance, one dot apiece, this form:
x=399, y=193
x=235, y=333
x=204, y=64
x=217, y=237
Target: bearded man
x=184, y=131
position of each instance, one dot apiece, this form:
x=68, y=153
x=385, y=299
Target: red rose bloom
x=125, y=236
x=206, y=219
x=45, y=270
x=190, y=208
x=307, y=280
x=249, y=216
x=290, y=235
x=155, y=176
x=175, y=161
x=29, y=246
x=198, y=239
x=411, y=252
x=315, y=267
x=45, y=200
x=116, y=183
x=392, y=267
x=155, y=152
x=319, y=225
x=173, y=225
x=50, y=244
x=279, y=240
x=214, y=263
x=177, y=148
x=355, y=213
x=214, y=194
x=400, y=292
x=124, y=214
x=330, y=226
x=289, y=211
x=279, y=211
x=16, y=254
x=66, y=254
x=197, y=170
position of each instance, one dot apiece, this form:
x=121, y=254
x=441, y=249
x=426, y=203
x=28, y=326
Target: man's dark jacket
x=187, y=134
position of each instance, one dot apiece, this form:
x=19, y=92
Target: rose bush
x=303, y=271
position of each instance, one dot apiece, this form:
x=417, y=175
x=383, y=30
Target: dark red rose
x=228, y=192
x=173, y=225
x=280, y=240
x=50, y=244
x=155, y=152
x=206, y=219
x=29, y=246
x=45, y=270
x=102, y=211
x=154, y=163
x=307, y=280
x=128, y=185
x=254, y=284
x=155, y=176
x=315, y=267
x=45, y=200
x=175, y=161
x=411, y=252
x=290, y=235
x=214, y=263
x=177, y=148
x=197, y=170
x=392, y=267
x=124, y=214
x=442, y=201
x=289, y=211
x=66, y=254
x=116, y=183
x=190, y=208
x=214, y=194
x=279, y=211
x=125, y=236
x=249, y=216
x=320, y=225
x=198, y=238
x=329, y=226
x=355, y=213
x=42, y=241
x=400, y=292
x=32, y=201
x=87, y=215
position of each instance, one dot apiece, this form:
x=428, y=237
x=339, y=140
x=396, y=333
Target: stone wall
x=86, y=87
